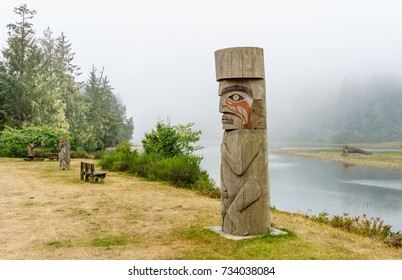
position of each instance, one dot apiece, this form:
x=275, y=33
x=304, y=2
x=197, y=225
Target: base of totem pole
x=218, y=230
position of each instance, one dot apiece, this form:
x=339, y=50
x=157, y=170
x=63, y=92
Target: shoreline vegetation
x=383, y=159
x=54, y=215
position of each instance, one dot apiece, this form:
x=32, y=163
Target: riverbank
x=378, y=159
x=51, y=214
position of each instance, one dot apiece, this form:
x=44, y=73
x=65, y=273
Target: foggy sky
x=159, y=55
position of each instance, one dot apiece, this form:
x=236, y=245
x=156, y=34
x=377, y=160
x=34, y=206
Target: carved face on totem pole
x=235, y=105
x=244, y=159
x=240, y=104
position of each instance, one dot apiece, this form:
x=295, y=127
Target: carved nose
x=223, y=108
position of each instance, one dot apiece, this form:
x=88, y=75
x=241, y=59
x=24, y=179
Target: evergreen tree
x=22, y=59
x=105, y=117
x=3, y=92
x=31, y=96
x=66, y=73
x=38, y=87
x=52, y=106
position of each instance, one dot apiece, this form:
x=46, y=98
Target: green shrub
x=145, y=166
x=108, y=161
x=168, y=156
x=206, y=186
x=124, y=148
x=182, y=171
x=79, y=153
x=99, y=154
x=43, y=152
x=171, y=141
x=12, y=150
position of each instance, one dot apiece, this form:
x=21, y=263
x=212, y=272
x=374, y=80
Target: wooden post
x=82, y=170
x=244, y=153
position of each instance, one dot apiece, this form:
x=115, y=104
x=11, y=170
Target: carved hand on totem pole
x=244, y=174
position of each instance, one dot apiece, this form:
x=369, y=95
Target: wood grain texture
x=240, y=62
x=244, y=155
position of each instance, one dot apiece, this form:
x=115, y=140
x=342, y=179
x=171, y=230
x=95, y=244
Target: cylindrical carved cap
x=240, y=62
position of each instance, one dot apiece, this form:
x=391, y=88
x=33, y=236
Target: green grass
x=59, y=244
x=96, y=241
x=211, y=246
x=109, y=241
x=80, y=212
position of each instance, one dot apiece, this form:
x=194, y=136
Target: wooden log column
x=244, y=155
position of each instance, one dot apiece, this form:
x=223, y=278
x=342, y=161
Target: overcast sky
x=159, y=54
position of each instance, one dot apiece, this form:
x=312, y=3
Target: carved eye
x=236, y=97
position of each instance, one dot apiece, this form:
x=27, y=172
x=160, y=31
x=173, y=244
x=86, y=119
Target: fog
x=159, y=55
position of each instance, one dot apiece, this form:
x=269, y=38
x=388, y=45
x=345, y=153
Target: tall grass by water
x=361, y=225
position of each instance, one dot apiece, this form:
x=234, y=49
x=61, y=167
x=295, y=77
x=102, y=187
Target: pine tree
x=22, y=58
x=66, y=73
x=32, y=98
x=105, y=118
x=52, y=106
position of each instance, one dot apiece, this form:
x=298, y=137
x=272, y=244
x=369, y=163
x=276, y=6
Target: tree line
x=359, y=111
x=39, y=87
x=368, y=111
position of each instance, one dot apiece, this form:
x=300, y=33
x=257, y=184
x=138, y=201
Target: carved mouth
x=227, y=120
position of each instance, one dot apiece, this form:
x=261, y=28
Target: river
x=311, y=186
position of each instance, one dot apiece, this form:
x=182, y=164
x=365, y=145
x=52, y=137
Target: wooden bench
x=53, y=157
x=88, y=173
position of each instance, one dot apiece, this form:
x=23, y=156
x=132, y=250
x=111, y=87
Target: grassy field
x=51, y=214
x=378, y=159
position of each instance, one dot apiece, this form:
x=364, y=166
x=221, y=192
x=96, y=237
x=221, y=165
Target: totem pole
x=244, y=156
x=64, y=155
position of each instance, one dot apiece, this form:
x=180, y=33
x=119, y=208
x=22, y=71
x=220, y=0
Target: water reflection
x=388, y=184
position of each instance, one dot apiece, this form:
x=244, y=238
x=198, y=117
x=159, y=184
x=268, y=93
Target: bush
x=182, y=171
x=79, y=153
x=206, y=186
x=168, y=156
x=12, y=150
x=43, y=152
x=124, y=148
x=171, y=141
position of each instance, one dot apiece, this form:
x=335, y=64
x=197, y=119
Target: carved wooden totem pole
x=244, y=156
x=64, y=155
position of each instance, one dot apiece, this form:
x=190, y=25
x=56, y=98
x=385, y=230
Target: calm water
x=312, y=186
